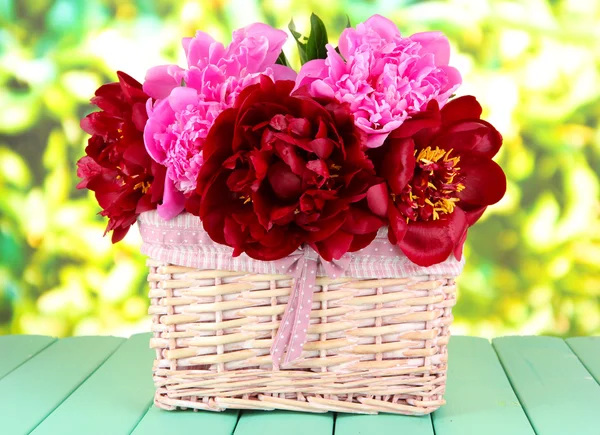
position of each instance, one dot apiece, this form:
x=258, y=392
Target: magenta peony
x=383, y=76
x=189, y=100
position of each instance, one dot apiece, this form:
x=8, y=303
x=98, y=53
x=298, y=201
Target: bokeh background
x=533, y=262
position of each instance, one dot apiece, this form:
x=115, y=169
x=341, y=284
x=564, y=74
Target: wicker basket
x=372, y=345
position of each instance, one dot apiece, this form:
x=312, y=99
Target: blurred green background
x=533, y=262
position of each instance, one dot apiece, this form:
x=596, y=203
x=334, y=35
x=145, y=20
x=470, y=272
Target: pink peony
x=189, y=100
x=385, y=78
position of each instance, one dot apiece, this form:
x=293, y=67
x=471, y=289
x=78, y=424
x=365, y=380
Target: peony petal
x=384, y=27
x=378, y=198
x=427, y=119
x=181, y=97
x=375, y=140
x=461, y=108
x=322, y=147
x=87, y=168
x=337, y=66
x=275, y=38
x=476, y=137
x=198, y=49
x=136, y=154
x=139, y=115
x=334, y=246
x=361, y=222
x=173, y=201
x=234, y=236
x=320, y=89
x=288, y=243
x=213, y=223
x=220, y=136
x=313, y=70
x=155, y=127
x=453, y=82
x=319, y=167
x=288, y=153
x=474, y=214
x=131, y=88
x=398, y=226
x=282, y=72
x=160, y=80
x=431, y=242
x=360, y=241
x=399, y=164
x=435, y=43
x=322, y=228
x=285, y=184
x=100, y=123
x=119, y=233
x=484, y=181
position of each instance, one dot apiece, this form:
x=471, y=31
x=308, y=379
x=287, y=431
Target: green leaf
x=315, y=47
x=282, y=60
x=348, y=24
x=300, y=42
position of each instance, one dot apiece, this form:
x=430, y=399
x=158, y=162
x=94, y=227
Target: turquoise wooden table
x=103, y=385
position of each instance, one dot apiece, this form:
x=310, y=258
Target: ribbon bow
x=303, y=266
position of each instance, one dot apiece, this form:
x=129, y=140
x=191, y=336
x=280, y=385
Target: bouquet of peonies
x=366, y=135
x=255, y=188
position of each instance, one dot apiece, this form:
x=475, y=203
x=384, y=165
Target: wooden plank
x=557, y=392
x=35, y=388
x=479, y=398
x=16, y=349
x=587, y=350
x=113, y=400
x=347, y=424
x=284, y=422
x=160, y=422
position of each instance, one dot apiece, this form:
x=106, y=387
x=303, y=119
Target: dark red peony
x=281, y=171
x=440, y=178
x=125, y=180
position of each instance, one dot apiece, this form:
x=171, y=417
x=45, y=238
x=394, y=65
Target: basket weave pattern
x=373, y=345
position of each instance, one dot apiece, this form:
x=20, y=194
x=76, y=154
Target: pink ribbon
x=302, y=265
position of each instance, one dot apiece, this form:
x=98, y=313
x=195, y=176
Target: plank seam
x=150, y=403
x=582, y=363
x=335, y=416
x=32, y=356
x=78, y=386
x=239, y=416
x=143, y=416
x=510, y=381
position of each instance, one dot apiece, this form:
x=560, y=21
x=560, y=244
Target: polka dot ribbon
x=302, y=265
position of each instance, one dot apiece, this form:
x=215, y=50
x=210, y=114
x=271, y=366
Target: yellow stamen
x=445, y=205
x=144, y=185
x=428, y=156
